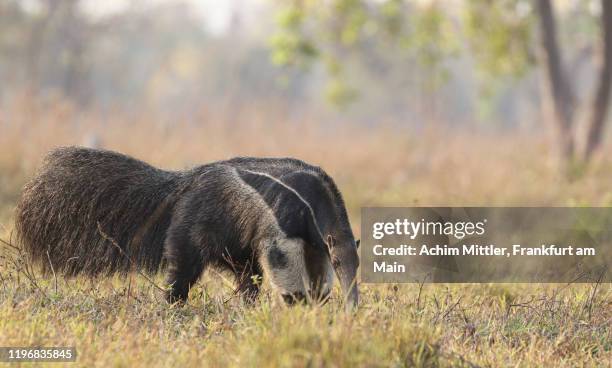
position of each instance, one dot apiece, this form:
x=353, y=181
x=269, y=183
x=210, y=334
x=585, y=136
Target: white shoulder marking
x=260, y=201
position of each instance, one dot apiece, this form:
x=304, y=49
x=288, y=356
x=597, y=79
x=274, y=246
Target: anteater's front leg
x=185, y=265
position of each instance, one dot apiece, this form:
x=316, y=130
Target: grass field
x=126, y=323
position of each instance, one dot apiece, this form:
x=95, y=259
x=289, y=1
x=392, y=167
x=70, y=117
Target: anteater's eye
x=335, y=261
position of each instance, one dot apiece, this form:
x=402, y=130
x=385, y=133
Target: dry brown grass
x=445, y=325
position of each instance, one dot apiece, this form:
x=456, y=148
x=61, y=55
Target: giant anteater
x=278, y=217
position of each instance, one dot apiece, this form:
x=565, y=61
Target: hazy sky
x=215, y=14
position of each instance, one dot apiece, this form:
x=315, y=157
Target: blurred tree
x=599, y=109
x=500, y=34
x=366, y=33
x=145, y=55
x=559, y=88
x=44, y=44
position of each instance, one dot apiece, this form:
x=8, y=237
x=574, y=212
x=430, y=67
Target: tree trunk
x=557, y=87
x=599, y=108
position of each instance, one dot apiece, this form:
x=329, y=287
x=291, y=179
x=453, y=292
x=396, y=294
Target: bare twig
x=592, y=298
x=10, y=245
x=452, y=307
x=419, y=296
x=227, y=282
x=52, y=270
x=114, y=243
x=23, y=267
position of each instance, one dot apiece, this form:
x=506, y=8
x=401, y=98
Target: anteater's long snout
x=345, y=261
x=352, y=296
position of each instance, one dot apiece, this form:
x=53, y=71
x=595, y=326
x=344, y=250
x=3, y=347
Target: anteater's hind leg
x=185, y=265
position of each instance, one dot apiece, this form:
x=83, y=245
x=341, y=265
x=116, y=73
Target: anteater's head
x=302, y=267
x=298, y=271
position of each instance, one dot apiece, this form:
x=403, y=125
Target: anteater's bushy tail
x=79, y=192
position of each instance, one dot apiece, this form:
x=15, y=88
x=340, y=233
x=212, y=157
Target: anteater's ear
x=357, y=243
x=331, y=242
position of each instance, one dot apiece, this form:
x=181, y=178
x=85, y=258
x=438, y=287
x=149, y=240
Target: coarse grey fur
x=217, y=214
